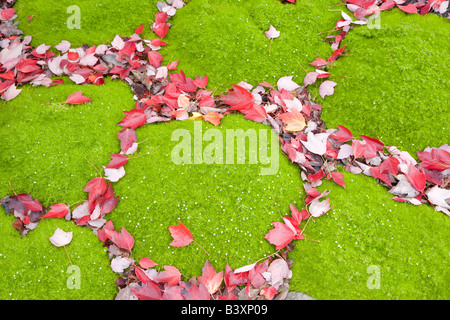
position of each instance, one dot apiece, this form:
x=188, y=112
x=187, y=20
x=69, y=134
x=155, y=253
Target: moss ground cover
x=395, y=81
x=210, y=199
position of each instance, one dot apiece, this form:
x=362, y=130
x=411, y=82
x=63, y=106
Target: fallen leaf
x=61, y=238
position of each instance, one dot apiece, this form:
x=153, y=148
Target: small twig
x=200, y=246
x=94, y=167
x=68, y=256
x=312, y=239
x=12, y=188
x=302, y=67
x=278, y=209
x=270, y=45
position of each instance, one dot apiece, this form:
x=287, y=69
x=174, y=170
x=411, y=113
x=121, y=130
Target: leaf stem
x=12, y=188
x=68, y=256
x=94, y=167
x=200, y=246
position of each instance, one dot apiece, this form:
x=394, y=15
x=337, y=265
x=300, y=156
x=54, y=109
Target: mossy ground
x=155, y=193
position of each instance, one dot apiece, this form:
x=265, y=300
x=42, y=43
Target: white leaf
x=272, y=33
x=61, y=238
x=11, y=93
x=438, y=196
x=114, y=175
x=63, y=46
x=42, y=49
x=327, y=88
x=81, y=211
x=77, y=78
x=119, y=264
x=118, y=43
x=316, y=143
x=287, y=84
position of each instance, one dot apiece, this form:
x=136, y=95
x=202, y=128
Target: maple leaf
x=139, y=29
x=358, y=148
x=286, y=83
x=155, y=58
x=61, y=238
x=149, y=291
x=327, y=88
x=343, y=134
x=119, y=264
x=438, y=196
x=293, y=120
x=118, y=160
x=95, y=187
x=161, y=29
x=272, y=33
x=213, y=117
x=114, y=175
x=192, y=292
x=318, y=62
x=338, y=178
x=256, y=113
x=77, y=98
x=316, y=143
x=147, y=263
x=280, y=236
x=133, y=119
x=390, y=165
x=409, y=8
x=170, y=275
x=172, y=293
x=268, y=292
x=181, y=235
x=201, y=82
x=58, y=210
x=127, y=137
x=238, y=98
x=416, y=177
x=378, y=173
x=210, y=278
x=124, y=239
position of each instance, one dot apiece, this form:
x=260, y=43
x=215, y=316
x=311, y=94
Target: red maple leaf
x=238, y=98
x=155, y=58
x=210, y=278
x=96, y=187
x=293, y=120
x=342, y=134
x=280, y=236
x=390, y=165
x=139, y=29
x=58, y=210
x=416, y=177
x=161, y=29
x=337, y=177
x=77, y=98
x=256, y=113
x=147, y=263
x=127, y=137
x=170, y=275
x=201, y=82
x=181, y=235
x=124, y=239
x=150, y=291
x=117, y=161
x=133, y=119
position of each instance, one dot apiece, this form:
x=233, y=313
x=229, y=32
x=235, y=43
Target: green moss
x=396, y=85
x=366, y=227
x=226, y=40
x=100, y=21
x=228, y=207
x=33, y=268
